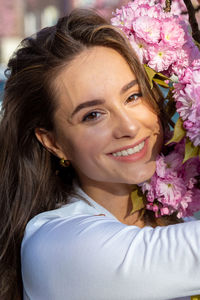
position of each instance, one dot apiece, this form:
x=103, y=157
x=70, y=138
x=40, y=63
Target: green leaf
x=197, y=297
x=158, y=74
x=151, y=73
x=156, y=77
x=190, y=150
x=137, y=199
x=179, y=132
x=161, y=82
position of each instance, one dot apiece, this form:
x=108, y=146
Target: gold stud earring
x=64, y=162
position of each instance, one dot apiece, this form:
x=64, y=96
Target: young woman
x=80, y=126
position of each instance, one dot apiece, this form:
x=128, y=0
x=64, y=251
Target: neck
x=116, y=199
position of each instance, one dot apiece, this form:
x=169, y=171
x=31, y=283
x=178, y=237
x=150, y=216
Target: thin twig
x=192, y=20
x=196, y=9
x=168, y=5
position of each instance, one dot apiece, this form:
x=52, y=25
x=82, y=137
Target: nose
x=125, y=125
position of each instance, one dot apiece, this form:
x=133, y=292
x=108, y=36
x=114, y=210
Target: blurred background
x=20, y=18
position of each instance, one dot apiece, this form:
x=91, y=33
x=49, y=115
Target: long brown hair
x=31, y=179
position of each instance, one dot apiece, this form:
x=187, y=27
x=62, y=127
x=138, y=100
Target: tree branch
x=196, y=10
x=168, y=5
x=192, y=20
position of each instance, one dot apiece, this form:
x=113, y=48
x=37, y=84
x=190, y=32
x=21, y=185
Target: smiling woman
x=101, y=102
x=77, y=97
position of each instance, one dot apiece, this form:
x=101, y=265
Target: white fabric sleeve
x=99, y=258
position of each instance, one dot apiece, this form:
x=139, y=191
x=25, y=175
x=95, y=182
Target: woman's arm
x=95, y=257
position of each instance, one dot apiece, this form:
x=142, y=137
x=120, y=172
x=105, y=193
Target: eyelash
x=87, y=118
x=136, y=97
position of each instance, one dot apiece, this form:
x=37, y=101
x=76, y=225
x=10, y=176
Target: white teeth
x=124, y=153
x=129, y=151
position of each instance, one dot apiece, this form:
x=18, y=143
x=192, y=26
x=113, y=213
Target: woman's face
x=103, y=124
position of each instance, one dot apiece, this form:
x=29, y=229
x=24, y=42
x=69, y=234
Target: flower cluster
x=161, y=39
x=174, y=186
x=163, y=43
x=178, y=7
x=187, y=97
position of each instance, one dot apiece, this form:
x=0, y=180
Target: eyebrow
x=128, y=86
x=98, y=101
x=87, y=104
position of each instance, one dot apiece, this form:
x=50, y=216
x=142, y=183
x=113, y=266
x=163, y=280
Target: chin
x=145, y=173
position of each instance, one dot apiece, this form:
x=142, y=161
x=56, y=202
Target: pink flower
x=123, y=19
x=163, y=42
x=180, y=147
x=177, y=8
x=187, y=55
x=185, y=78
x=194, y=205
x=169, y=47
x=140, y=48
x=167, y=166
x=184, y=104
x=173, y=160
x=170, y=190
x=193, y=131
x=191, y=183
x=161, y=166
x=160, y=57
x=190, y=169
x=165, y=211
x=183, y=210
x=196, y=64
x=172, y=33
x=147, y=28
x=148, y=187
x=187, y=97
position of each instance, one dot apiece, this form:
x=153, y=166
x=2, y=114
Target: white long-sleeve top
x=73, y=253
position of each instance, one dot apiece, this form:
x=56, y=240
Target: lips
x=132, y=152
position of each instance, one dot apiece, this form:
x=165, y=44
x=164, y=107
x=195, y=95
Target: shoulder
x=60, y=232
x=75, y=207
x=60, y=251
x=63, y=233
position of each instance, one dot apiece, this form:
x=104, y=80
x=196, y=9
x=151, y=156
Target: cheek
x=81, y=145
x=158, y=133
x=152, y=120
x=153, y=123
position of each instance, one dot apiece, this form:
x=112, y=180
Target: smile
x=129, y=151
x=132, y=153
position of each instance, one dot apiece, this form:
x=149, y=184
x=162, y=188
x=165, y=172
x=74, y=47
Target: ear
x=47, y=139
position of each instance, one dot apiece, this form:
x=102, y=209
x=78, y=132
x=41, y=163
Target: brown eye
x=91, y=116
x=134, y=97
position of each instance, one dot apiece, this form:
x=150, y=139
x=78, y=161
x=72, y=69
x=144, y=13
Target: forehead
x=92, y=74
